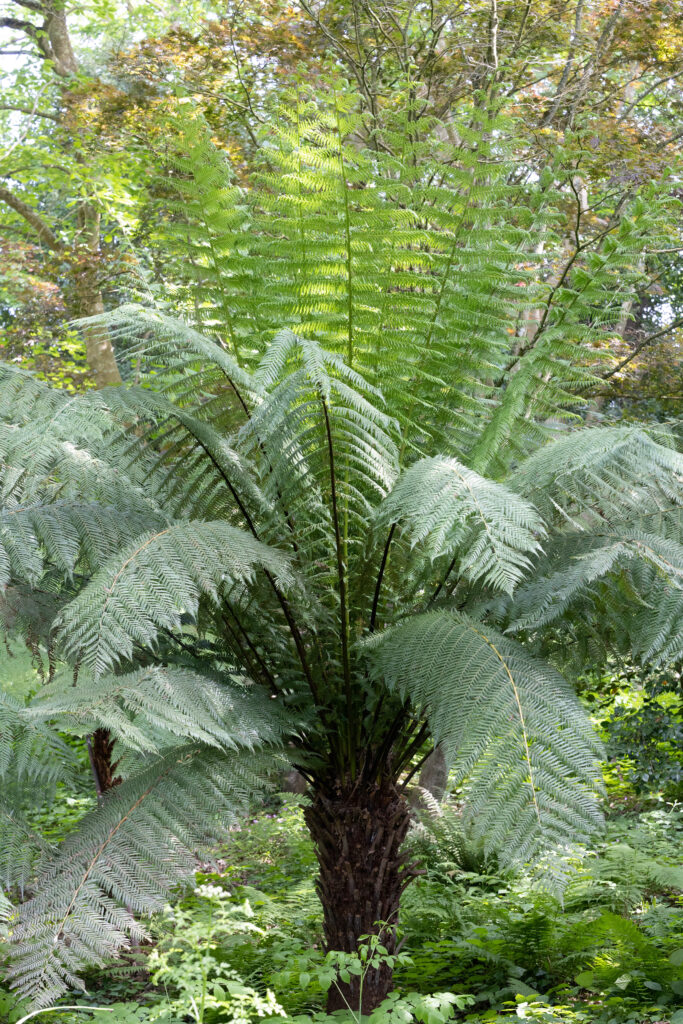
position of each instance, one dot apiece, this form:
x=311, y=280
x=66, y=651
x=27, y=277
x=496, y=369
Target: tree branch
x=41, y=228
x=641, y=345
x=29, y=111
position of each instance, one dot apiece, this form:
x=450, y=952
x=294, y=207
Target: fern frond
x=21, y=848
x=142, y=708
x=30, y=751
x=123, y=859
x=576, y=561
x=186, y=361
x=152, y=585
x=5, y=908
x=512, y=726
x=450, y=509
x=320, y=429
x=64, y=535
x=601, y=475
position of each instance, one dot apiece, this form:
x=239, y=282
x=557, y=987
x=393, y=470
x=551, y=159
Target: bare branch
x=41, y=228
x=641, y=345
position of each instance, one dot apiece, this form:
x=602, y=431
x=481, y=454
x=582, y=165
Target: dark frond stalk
x=267, y=674
x=443, y=582
x=296, y=636
x=380, y=575
x=384, y=749
x=341, y=569
x=347, y=236
x=405, y=756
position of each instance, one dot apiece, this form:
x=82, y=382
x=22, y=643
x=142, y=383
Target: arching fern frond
x=450, y=509
x=123, y=859
x=577, y=560
x=511, y=725
x=30, y=751
x=153, y=584
x=21, y=847
x=64, y=535
x=186, y=362
x=169, y=703
x=599, y=475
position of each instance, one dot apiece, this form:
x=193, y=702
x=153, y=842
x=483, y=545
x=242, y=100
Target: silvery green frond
x=576, y=561
x=122, y=860
x=5, y=908
x=211, y=480
x=601, y=474
x=451, y=510
x=64, y=535
x=30, y=751
x=21, y=847
x=165, y=702
x=150, y=586
x=24, y=400
x=188, y=362
x=510, y=724
x=323, y=436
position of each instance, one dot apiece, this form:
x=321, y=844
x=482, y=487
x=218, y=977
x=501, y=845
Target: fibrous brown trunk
x=358, y=831
x=100, y=750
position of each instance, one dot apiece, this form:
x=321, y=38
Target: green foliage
x=512, y=722
x=188, y=961
x=314, y=522
x=651, y=738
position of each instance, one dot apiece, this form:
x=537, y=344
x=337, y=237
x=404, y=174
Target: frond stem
x=443, y=582
x=380, y=575
x=341, y=568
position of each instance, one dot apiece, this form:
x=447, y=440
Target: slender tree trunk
x=358, y=831
x=88, y=296
x=100, y=751
x=434, y=775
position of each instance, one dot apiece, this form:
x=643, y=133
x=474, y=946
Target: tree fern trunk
x=103, y=765
x=358, y=831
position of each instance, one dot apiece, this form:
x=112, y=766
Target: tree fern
x=321, y=510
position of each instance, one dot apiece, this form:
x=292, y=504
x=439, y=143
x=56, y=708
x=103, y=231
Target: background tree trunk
x=434, y=774
x=53, y=44
x=358, y=832
x=89, y=301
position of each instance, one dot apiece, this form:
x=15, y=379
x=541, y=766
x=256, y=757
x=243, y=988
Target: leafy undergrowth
x=246, y=943
x=590, y=937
